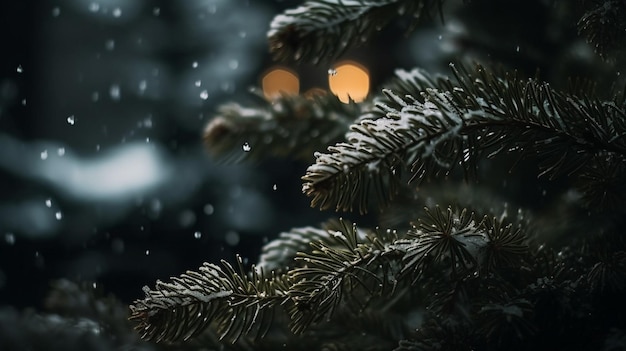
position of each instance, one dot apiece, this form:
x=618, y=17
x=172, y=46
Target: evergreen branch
x=167, y=313
x=293, y=126
x=370, y=158
x=280, y=253
x=605, y=26
x=507, y=245
x=602, y=184
x=608, y=275
x=455, y=238
x=480, y=113
x=344, y=273
x=347, y=267
x=320, y=30
x=233, y=302
x=408, y=83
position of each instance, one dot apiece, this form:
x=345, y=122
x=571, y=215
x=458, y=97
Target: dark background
x=103, y=176
x=102, y=172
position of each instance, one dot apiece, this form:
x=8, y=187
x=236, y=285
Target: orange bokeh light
x=278, y=81
x=349, y=80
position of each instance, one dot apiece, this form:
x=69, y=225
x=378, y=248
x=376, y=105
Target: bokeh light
x=349, y=80
x=280, y=80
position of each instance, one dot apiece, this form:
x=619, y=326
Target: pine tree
x=461, y=259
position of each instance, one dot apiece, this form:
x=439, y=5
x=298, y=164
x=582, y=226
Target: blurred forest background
x=103, y=175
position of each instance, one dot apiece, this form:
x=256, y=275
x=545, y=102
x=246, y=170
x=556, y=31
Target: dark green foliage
x=604, y=25
x=608, y=276
x=281, y=252
x=506, y=247
x=236, y=303
x=321, y=30
x=233, y=301
x=452, y=267
x=474, y=280
x=456, y=122
x=602, y=184
x=346, y=275
x=290, y=126
x=445, y=237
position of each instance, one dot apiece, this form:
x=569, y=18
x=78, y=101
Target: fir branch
x=608, y=275
x=321, y=30
x=478, y=114
x=455, y=238
x=605, y=26
x=407, y=83
x=293, y=126
x=453, y=298
x=233, y=302
x=602, y=184
x=507, y=245
x=454, y=241
x=280, y=254
x=352, y=268
x=345, y=272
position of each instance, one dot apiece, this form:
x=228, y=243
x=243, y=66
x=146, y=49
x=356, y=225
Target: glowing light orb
x=349, y=80
x=278, y=81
